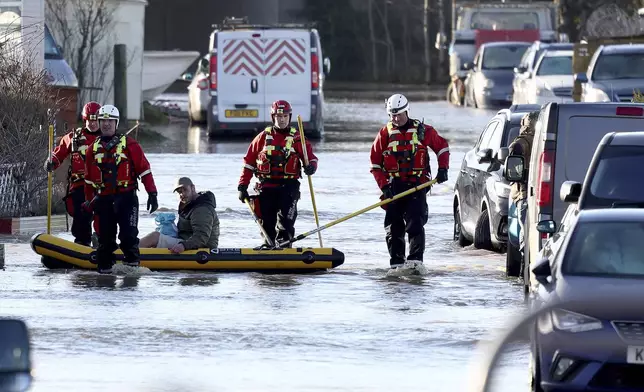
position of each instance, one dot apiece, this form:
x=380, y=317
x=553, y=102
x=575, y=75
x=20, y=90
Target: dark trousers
x=82, y=220
x=407, y=215
x=278, y=211
x=121, y=209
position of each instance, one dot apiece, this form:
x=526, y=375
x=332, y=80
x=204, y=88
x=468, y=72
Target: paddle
x=49, y=176
x=354, y=214
x=252, y=211
x=306, y=162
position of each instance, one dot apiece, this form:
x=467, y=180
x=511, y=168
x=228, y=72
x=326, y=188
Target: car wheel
x=535, y=374
x=482, y=237
x=512, y=261
x=459, y=237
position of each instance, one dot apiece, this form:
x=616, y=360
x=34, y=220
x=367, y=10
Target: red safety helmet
x=90, y=111
x=281, y=107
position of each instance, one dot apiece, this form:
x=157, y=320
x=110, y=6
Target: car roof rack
x=234, y=23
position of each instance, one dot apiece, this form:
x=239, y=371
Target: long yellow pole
x=306, y=162
x=252, y=211
x=49, y=178
x=362, y=211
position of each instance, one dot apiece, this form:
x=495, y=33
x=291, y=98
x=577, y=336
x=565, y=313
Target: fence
x=20, y=196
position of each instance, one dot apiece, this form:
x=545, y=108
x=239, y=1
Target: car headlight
x=501, y=189
x=488, y=83
x=568, y=321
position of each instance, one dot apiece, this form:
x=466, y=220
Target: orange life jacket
x=278, y=161
x=406, y=156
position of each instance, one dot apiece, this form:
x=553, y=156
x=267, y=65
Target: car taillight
x=544, y=179
x=315, y=83
x=630, y=111
x=213, y=72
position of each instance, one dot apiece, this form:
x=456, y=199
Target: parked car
x=614, y=73
x=552, y=80
x=488, y=83
x=481, y=193
x=198, y=91
x=602, y=251
x=566, y=136
x=253, y=65
x=59, y=73
x=524, y=72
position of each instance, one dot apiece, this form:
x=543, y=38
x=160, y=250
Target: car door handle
x=253, y=86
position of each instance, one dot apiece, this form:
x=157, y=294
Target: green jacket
x=198, y=223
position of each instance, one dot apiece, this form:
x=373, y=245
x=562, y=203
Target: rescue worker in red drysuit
x=400, y=161
x=112, y=168
x=275, y=156
x=75, y=144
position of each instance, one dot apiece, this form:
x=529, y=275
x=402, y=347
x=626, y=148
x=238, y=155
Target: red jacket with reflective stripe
x=85, y=139
x=431, y=140
x=279, y=138
x=132, y=166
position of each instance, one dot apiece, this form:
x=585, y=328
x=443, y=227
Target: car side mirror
x=581, y=77
x=60, y=49
x=542, y=271
x=15, y=355
x=514, y=168
x=466, y=66
x=570, y=192
x=327, y=65
x=187, y=76
x=484, y=155
x=441, y=41
x=547, y=226
x=520, y=70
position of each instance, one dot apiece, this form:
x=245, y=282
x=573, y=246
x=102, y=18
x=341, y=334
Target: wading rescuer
x=400, y=161
x=112, y=168
x=75, y=144
x=276, y=158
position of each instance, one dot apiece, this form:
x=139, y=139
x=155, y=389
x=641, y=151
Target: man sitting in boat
x=198, y=224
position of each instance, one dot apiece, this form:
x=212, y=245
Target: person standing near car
x=522, y=146
x=400, y=161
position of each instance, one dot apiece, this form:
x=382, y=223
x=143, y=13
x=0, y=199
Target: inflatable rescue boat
x=59, y=253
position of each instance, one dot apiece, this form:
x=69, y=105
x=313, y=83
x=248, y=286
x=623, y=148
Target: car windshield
x=618, y=177
x=502, y=57
x=495, y=20
x=555, y=65
x=619, y=66
x=51, y=49
x=606, y=248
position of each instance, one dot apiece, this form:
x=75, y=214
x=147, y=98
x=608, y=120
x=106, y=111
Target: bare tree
x=372, y=37
x=27, y=106
x=81, y=27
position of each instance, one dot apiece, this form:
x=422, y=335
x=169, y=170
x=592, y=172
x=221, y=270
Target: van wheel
x=512, y=261
x=482, y=237
x=459, y=237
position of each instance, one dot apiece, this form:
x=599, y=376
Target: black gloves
x=441, y=176
x=387, y=193
x=49, y=166
x=309, y=169
x=243, y=193
x=153, y=204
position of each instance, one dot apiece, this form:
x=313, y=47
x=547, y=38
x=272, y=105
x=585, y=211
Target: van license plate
x=635, y=354
x=241, y=113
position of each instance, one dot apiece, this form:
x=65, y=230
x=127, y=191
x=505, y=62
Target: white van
x=253, y=65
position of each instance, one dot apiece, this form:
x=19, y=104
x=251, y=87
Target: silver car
x=198, y=90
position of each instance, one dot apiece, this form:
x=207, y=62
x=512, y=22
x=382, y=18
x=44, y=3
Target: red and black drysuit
x=276, y=158
x=400, y=161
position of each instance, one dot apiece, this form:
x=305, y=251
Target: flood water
x=351, y=329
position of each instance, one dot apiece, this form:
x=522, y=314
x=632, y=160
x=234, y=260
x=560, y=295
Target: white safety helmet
x=109, y=112
x=397, y=104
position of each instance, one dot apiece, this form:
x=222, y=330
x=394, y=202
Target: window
x=512, y=134
x=51, y=49
x=484, y=142
x=619, y=66
x=496, y=138
x=555, y=65
x=618, y=176
x=502, y=57
x=495, y=20
x=606, y=248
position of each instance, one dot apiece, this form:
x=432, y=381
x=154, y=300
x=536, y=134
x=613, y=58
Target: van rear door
x=580, y=130
x=240, y=80
x=288, y=70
